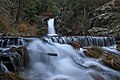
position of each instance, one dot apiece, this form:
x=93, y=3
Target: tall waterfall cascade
x=51, y=27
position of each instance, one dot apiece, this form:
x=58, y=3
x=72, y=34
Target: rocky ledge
x=105, y=20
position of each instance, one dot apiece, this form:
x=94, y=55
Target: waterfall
x=6, y=42
x=51, y=28
x=55, y=61
x=85, y=41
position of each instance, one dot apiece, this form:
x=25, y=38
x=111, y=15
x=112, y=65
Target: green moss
x=94, y=52
x=111, y=61
x=12, y=76
x=97, y=49
x=76, y=45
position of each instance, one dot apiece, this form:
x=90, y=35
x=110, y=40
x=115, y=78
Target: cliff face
x=105, y=20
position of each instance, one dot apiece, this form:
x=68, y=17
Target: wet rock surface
x=75, y=45
x=9, y=76
x=94, y=52
x=112, y=61
x=109, y=59
x=14, y=59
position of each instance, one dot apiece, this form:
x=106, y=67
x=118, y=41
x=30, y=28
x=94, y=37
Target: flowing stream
x=55, y=61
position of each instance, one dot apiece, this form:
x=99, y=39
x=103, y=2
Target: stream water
x=51, y=28
x=55, y=61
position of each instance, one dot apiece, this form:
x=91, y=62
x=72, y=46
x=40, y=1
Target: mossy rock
x=76, y=45
x=94, y=52
x=111, y=61
x=25, y=55
x=23, y=52
x=11, y=76
x=97, y=49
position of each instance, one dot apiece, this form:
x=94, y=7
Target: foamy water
x=54, y=61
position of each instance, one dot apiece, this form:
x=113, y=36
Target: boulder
x=76, y=45
x=7, y=60
x=111, y=61
x=15, y=58
x=23, y=52
x=94, y=52
x=9, y=76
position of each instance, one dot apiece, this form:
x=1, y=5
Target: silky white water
x=54, y=61
x=51, y=28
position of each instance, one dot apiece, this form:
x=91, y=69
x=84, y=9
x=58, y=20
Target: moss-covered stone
x=111, y=61
x=12, y=76
x=17, y=59
x=76, y=45
x=24, y=54
x=9, y=76
x=94, y=52
x=97, y=49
